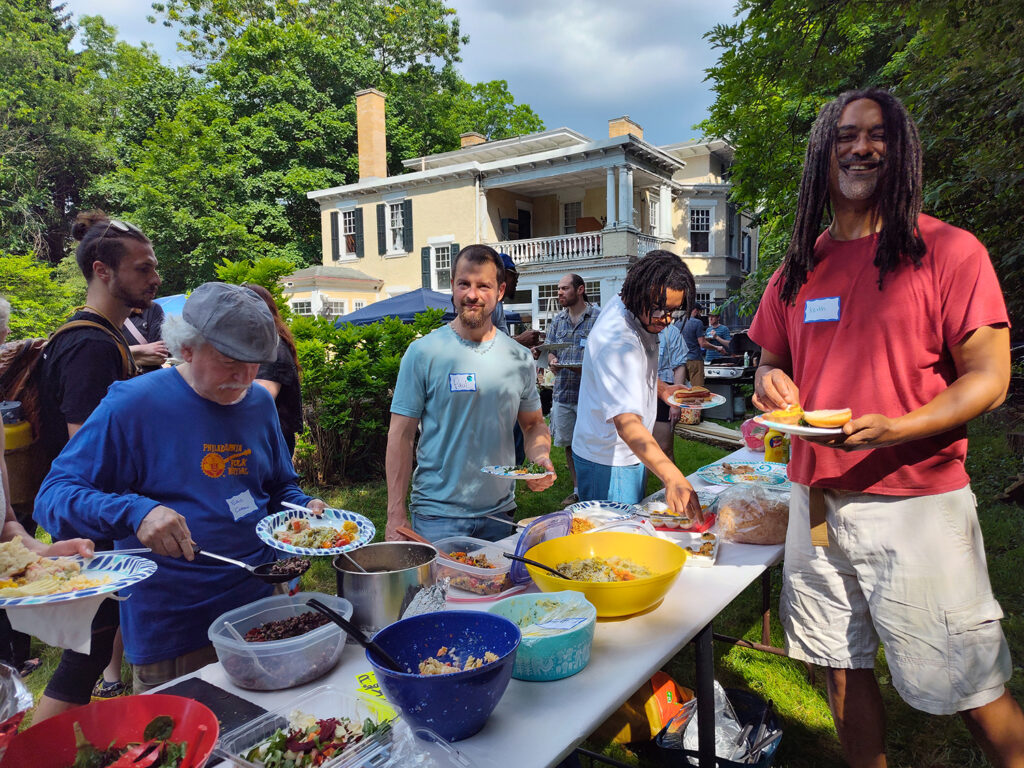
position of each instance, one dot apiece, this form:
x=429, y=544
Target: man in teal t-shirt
x=463, y=386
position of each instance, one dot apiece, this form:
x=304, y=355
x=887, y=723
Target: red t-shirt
x=886, y=352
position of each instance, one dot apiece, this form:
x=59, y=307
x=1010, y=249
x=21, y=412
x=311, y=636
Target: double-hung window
x=394, y=227
x=442, y=267
x=347, y=234
x=700, y=230
x=571, y=212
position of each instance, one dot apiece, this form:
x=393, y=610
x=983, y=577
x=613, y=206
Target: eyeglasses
x=661, y=314
x=121, y=226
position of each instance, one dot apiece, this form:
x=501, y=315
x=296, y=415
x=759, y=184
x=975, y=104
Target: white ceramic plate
x=715, y=400
x=332, y=518
x=122, y=570
x=797, y=429
x=511, y=474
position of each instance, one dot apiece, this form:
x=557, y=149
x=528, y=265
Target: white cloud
x=578, y=63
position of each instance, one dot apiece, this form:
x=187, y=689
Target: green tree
x=954, y=64
x=38, y=303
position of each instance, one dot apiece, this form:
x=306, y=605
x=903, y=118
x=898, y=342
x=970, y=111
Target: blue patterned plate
x=604, y=511
x=729, y=473
x=122, y=571
x=332, y=518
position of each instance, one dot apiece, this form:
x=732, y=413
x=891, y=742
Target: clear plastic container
x=284, y=663
x=471, y=578
x=323, y=702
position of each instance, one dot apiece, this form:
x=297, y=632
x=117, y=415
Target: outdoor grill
x=724, y=375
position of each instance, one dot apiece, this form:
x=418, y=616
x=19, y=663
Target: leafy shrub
x=38, y=303
x=348, y=379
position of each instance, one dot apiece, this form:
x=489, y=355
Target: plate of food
x=730, y=473
x=661, y=515
x=796, y=421
x=28, y=579
x=697, y=398
x=703, y=548
x=528, y=470
x=299, y=533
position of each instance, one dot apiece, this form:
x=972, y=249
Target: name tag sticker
x=241, y=505
x=462, y=382
x=821, y=310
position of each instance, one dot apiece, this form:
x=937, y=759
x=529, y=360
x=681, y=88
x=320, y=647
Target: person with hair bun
x=281, y=377
x=79, y=363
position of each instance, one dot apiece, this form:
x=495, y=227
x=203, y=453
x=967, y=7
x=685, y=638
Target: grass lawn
x=914, y=739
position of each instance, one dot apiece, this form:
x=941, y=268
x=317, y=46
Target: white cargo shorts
x=909, y=571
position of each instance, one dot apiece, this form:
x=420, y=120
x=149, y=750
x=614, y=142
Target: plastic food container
x=550, y=526
x=557, y=627
x=278, y=663
x=471, y=578
x=323, y=702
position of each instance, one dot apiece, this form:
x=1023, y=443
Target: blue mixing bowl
x=455, y=706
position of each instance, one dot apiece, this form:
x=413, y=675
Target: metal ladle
x=535, y=564
x=262, y=572
x=357, y=634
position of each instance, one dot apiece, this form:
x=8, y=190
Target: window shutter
x=359, y=233
x=455, y=252
x=407, y=224
x=425, y=266
x=335, y=246
x=382, y=235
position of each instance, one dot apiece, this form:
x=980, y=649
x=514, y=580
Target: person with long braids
x=613, y=444
x=899, y=317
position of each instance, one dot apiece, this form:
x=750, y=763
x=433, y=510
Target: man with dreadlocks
x=619, y=388
x=898, y=316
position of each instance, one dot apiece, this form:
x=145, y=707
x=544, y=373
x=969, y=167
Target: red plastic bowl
x=51, y=743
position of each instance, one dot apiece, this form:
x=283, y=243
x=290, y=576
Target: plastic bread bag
x=727, y=728
x=15, y=700
x=749, y=513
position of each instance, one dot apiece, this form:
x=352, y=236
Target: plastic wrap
x=753, y=514
x=727, y=728
x=753, y=434
x=15, y=700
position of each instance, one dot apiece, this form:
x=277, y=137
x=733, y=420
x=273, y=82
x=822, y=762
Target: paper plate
x=797, y=429
x=508, y=473
x=763, y=472
x=332, y=518
x=123, y=571
x=715, y=401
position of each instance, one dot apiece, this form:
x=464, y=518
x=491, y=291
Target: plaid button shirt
x=562, y=331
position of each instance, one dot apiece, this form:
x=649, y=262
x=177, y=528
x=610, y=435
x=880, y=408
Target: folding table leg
x=705, y=690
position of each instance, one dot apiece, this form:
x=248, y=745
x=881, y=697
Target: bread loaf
x=753, y=515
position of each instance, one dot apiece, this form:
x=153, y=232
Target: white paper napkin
x=63, y=625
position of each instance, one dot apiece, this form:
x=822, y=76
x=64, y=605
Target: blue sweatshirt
x=153, y=440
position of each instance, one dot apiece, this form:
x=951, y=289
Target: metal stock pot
x=397, y=570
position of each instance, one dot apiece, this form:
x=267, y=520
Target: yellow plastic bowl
x=611, y=598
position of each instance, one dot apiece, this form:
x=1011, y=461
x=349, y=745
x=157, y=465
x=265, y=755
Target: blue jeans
x=434, y=527
x=599, y=482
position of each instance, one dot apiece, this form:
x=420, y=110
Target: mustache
x=232, y=386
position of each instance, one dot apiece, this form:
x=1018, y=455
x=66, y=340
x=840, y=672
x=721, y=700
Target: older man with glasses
x=619, y=389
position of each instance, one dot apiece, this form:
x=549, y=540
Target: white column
x=628, y=218
x=665, y=212
x=609, y=199
x=625, y=205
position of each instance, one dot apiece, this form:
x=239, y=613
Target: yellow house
x=330, y=291
x=556, y=201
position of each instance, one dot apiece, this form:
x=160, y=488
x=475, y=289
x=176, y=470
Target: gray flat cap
x=234, y=320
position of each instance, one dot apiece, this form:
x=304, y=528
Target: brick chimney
x=471, y=139
x=620, y=126
x=373, y=154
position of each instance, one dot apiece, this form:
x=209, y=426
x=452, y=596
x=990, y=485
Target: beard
x=471, y=319
x=860, y=187
x=141, y=300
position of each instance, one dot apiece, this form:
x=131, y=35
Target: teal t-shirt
x=467, y=397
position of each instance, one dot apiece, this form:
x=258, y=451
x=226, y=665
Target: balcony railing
x=538, y=250
x=645, y=244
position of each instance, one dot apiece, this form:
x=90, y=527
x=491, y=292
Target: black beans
x=293, y=626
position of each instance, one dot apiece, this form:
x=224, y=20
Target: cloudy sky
x=578, y=63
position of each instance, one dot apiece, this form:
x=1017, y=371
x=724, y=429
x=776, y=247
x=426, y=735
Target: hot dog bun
x=828, y=418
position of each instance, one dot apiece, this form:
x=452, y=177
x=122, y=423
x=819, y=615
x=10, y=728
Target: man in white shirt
x=612, y=442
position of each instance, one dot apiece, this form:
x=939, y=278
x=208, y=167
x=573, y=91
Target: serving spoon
x=357, y=634
x=535, y=564
x=263, y=572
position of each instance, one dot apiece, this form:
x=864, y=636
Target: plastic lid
x=549, y=526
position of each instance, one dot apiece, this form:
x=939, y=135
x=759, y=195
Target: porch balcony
x=626, y=244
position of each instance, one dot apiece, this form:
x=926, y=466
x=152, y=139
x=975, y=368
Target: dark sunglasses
x=660, y=314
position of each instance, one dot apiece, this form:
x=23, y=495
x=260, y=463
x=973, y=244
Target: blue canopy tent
x=405, y=307
x=172, y=305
